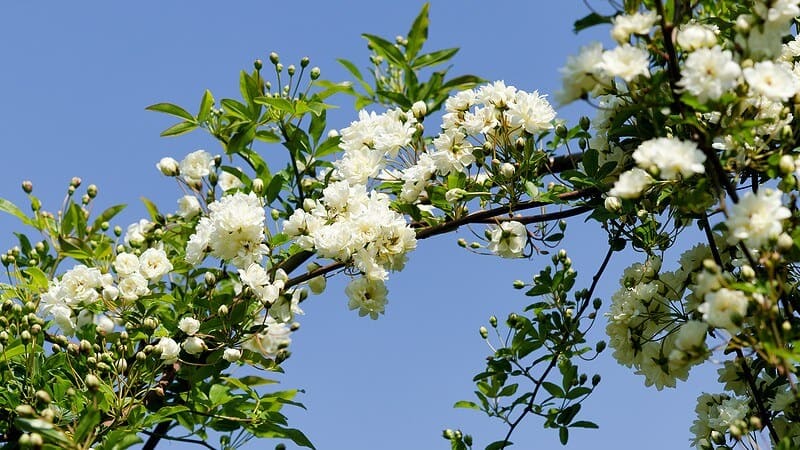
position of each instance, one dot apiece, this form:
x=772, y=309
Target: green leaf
x=174, y=110
x=206, y=102
x=179, y=128
x=267, y=136
x=498, y=445
x=328, y=146
x=317, y=127
x=106, y=215
x=418, y=33
x=219, y=394
x=90, y=419
x=584, y=424
x=236, y=109
x=590, y=21
x=553, y=389
x=386, y=49
x=357, y=74
x=279, y=103
x=274, y=188
x=433, y=58
x=462, y=82
x=151, y=208
x=563, y=435
x=38, y=278
x=10, y=208
x=396, y=98
x=466, y=404
x=74, y=248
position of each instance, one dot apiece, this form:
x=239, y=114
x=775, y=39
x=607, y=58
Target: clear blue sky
x=76, y=79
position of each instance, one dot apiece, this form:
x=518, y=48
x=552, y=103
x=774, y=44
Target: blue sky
x=75, y=82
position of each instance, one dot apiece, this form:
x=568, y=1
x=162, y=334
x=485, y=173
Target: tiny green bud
x=24, y=440
x=91, y=191
x=493, y=321
x=561, y=131
x=27, y=186
x=595, y=380
x=315, y=73
x=601, y=345
x=141, y=356
x=304, y=61
x=36, y=441
x=273, y=58
x=258, y=64
x=279, y=67
x=43, y=397
x=25, y=337
x=258, y=186
x=291, y=70
x=222, y=311
x=117, y=230
x=209, y=279
x=519, y=284
x=462, y=242
x=280, y=446
x=92, y=382
x=585, y=123
x=484, y=332
x=275, y=214
x=25, y=411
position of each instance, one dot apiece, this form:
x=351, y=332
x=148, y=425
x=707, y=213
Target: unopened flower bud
x=419, y=109
x=315, y=73
x=561, y=131
x=209, y=279
x=455, y=195
x=27, y=186
x=507, y=170
x=600, y=346
x=222, y=311
x=258, y=64
x=462, y=242
x=291, y=70
x=613, y=204
x=585, y=123
x=519, y=284
x=273, y=58
x=75, y=182
x=25, y=411
x=258, y=186
x=786, y=164
x=92, y=382
x=595, y=380
x=275, y=214
x=317, y=284
x=785, y=242
x=484, y=332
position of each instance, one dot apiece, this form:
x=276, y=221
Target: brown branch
x=484, y=216
x=160, y=431
x=540, y=218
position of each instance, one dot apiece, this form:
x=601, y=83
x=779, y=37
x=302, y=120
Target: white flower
x=154, y=264
x=780, y=11
x=136, y=231
x=581, y=74
x=756, y=218
x=368, y=296
x=257, y=279
x=531, y=111
x=132, y=286
x=631, y=184
x=671, y=157
x=496, y=94
x=691, y=336
x=453, y=152
x=728, y=413
x=775, y=81
x=461, y=101
x=626, y=62
x=126, y=264
x=721, y=306
x=189, y=325
x=168, y=166
x=169, y=350
x=188, y=206
x=104, y=323
x=508, y=240
x=233, y=231
x=271, y=340
x=693, y=36
x=710, y=72
x=80, y=285
x=228, y=181
x=385, y=133
x=194, y=345
x=625, y=25
x=231, y=354
x=196, y=165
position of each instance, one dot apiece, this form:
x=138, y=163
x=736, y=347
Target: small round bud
x=141, y=356
x=275, y=214
x=786, y=164
x=613, y=204
x=209, y=279
x=25, y=337
x=493, y=321
x=75, y=182
x=315, y=73
x=222, y=311
x=317, y=284
x=595, y=380
x=304, y=61
x=279, y=67
x=519, y=284
x=561, y=131
x=92, y=382
x=258, y=186
x=785, y=242
x=36, y=441
x=462, y=242
x=484, y=332
x=291, y=70
x=25, y=411
x=43, y=397
x=601, y=345
x=419, y=109
x=280, y=446
x=117, y=230
x=786, y=325
x=448, y=434
x=507, y=170
x=273, y=58
x=27, y=186
x=258, y=64
x=585, y=123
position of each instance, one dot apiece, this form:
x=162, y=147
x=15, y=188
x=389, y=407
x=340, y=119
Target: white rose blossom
x=508, y=239
x=196, y=165
x=671, y=157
